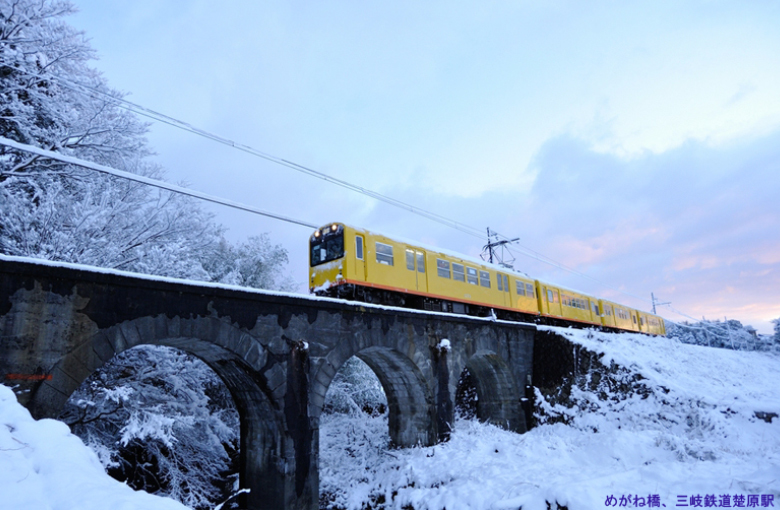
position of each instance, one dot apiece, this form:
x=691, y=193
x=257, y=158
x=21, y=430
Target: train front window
x=326, y=247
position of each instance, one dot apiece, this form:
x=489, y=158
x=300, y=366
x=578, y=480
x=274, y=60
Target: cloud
x=697, y=225
x=697, y=221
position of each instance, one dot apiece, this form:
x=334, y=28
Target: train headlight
x=334, y=227
x=317, y=233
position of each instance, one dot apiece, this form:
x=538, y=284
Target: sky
x=637, y=143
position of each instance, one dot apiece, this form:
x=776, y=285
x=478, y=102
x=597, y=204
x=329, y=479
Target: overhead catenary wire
x=166, y=119
x=148, y=181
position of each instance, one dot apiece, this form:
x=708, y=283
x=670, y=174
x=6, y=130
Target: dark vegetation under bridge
x=277, y=354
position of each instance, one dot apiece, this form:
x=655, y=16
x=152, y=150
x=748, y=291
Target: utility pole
x=490, y=244
x=652, y=296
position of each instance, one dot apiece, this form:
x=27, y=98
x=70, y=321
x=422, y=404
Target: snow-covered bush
x=162, y=421
x=730, y=334
x=354, y=435
x=355, y=390
x=776, y=338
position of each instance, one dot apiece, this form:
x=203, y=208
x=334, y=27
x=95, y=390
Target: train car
x=560, y=304
x=620, y=316
x=651, y=324
x=357, y=264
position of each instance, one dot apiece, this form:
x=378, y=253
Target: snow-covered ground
x=45, y=467
x=695, y=435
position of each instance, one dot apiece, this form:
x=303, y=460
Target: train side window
x=443, y=268
x=529, y=290
x=550, y=296
x=506, y=283
x=420, y=262
x=500, y=281
x=410, y=260
x=520, y=287
x=384, y=254
x=457, y=272
x=641, y=321
x=595, y=308
x=484, y=279
x=471, y=275
x=359, y=247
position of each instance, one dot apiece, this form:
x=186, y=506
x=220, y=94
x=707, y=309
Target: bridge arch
x=227, y=350
x=498, y=399
x=410, y=401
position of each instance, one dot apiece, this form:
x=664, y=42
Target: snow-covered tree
x=355, y=390
x=255, y=263
x=162, y=421
x=157, y=419
x=51, y=98
x=730, y=334
x=59, y=211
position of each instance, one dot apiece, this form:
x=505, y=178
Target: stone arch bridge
x=277, y=353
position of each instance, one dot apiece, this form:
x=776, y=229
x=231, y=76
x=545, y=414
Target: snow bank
x=694, y=434
x=43, y=466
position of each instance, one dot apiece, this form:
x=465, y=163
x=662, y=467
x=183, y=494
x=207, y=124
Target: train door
x=553, y=301
x=422, y=274
x=360, y=258
x=505, y=299
x=415, y=262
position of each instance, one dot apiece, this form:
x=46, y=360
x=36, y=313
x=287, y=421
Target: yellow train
x=351, y=263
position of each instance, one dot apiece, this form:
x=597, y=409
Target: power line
x=149, y=113
x=146, y=180
x=462, y=227
x=152, y=114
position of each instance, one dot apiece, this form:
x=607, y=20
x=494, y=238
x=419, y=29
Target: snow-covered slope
x=692, y=434
x=45, y=467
